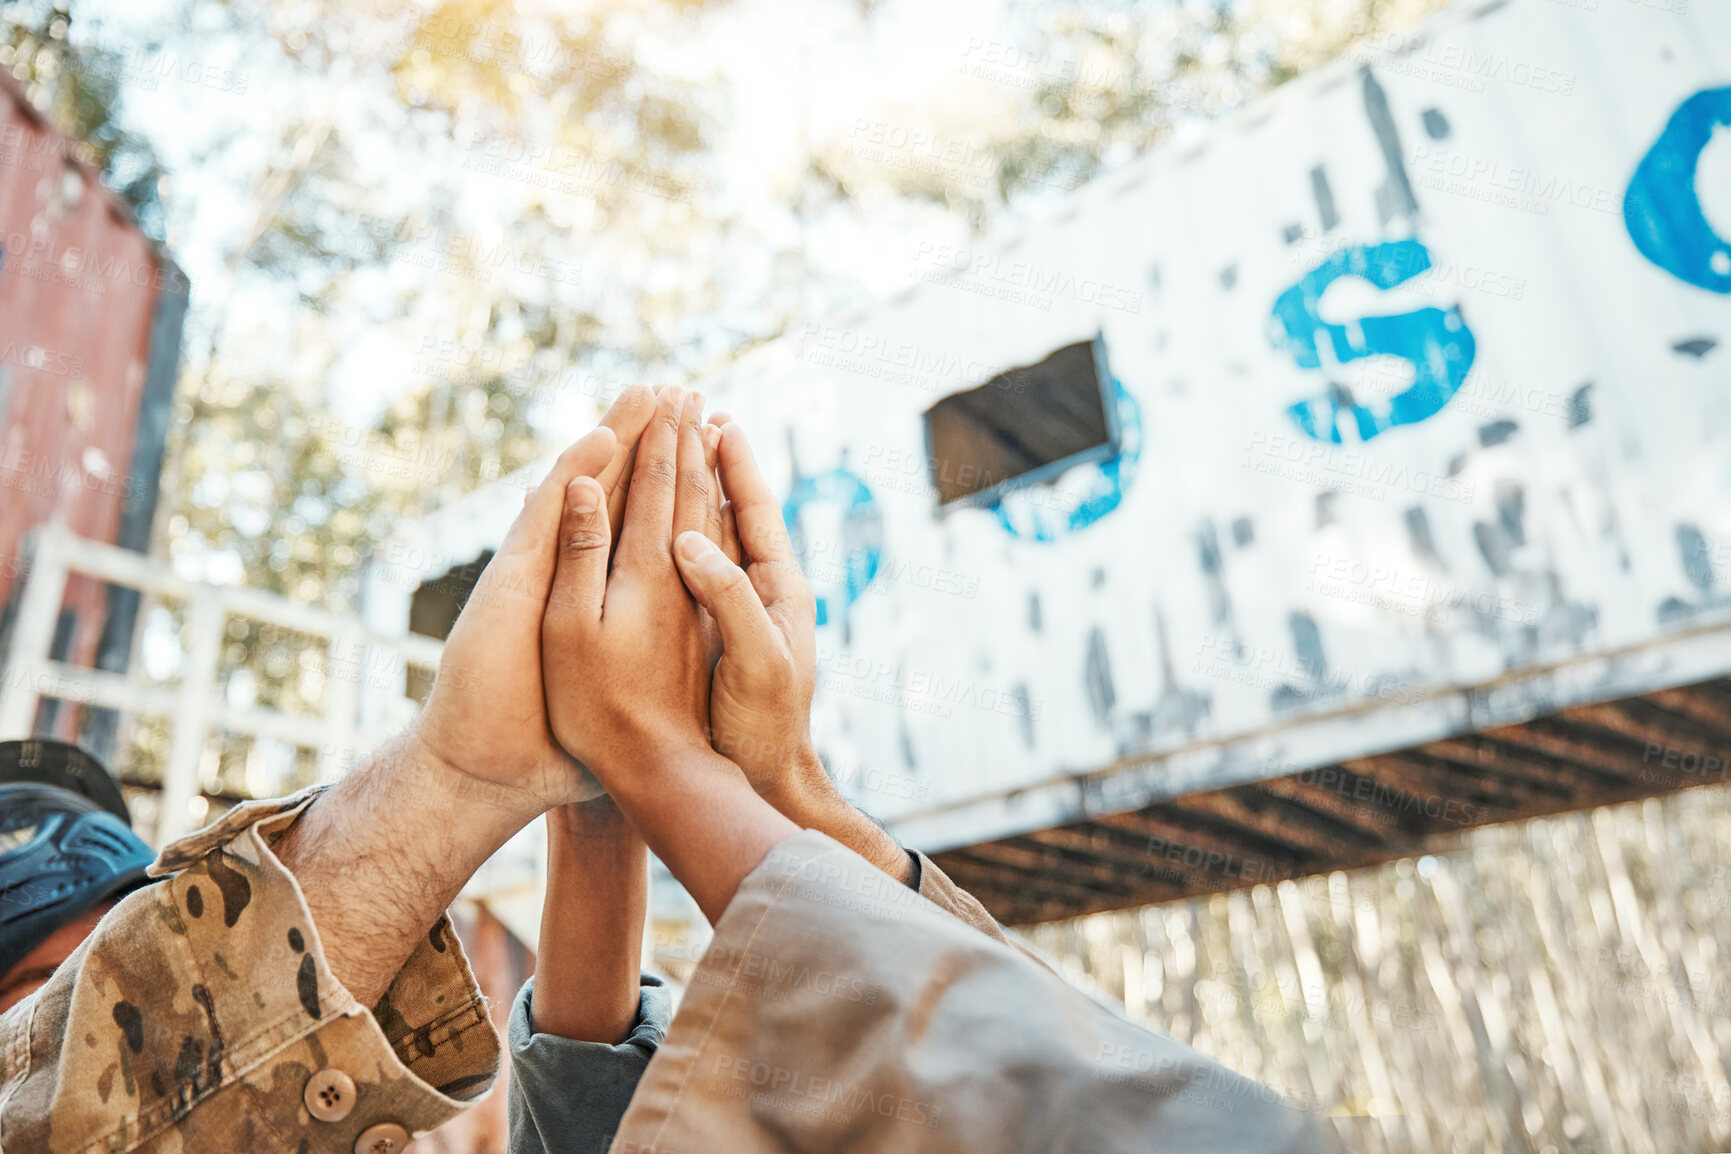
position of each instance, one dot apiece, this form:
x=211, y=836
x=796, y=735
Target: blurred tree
x=507, y=191
x=541, y=183
x=1089, y=86
x=79, y=89
x=506, y=211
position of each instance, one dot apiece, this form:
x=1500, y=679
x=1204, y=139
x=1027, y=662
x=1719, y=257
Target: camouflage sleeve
x=200, y=1015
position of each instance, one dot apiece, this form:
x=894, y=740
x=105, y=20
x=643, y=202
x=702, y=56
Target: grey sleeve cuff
x=567, y=1096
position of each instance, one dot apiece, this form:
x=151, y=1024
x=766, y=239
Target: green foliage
x=1088, y=86
x=79, y=88
x=511, y=126
x=265, y=481
x=524, y=193
x=540, y=181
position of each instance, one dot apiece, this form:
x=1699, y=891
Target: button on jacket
x=201, y=1016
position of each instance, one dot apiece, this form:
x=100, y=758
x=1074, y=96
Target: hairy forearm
x=702, y=818
x=808, y=798
x=379, y=856
x=586, y=969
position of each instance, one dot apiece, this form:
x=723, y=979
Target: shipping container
x=90, y=321
x=1349, y=473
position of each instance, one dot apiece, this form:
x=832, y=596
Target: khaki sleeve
x=936, y=887
x=837, y=1010
x=200, y=1015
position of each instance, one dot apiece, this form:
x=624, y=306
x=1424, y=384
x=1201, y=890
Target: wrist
x=594, y=838
x=806, y=795
x=423, y=770
x=378, y=859
x=406, y=785
x=586, y=985
x=802, y=789
x=701, y=817
x=650, y=759
x=584, y=820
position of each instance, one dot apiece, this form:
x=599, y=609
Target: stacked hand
x=487, y=716
x=645, y=621
x=625, y=652
x=629, y=648
x=628, y=658
x=760, y=699
x=760, y=702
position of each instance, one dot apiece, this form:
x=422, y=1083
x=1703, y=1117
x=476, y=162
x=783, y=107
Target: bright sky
x=797, y=72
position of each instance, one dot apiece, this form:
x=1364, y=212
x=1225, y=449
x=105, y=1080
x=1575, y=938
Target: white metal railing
x=511, y=884
x=196, y=705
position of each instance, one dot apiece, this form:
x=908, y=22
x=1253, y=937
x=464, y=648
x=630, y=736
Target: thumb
x=580, y=578
x=721, y=587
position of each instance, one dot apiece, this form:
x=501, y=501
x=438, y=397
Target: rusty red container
x=91, y=311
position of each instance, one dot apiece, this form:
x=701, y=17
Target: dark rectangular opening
x=1023, y=426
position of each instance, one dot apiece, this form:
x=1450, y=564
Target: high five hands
x=646, y=618
x=643, y=627
x=628, y=656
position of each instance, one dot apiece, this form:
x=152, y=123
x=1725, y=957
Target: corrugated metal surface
x=1358, y=812
x=1420, y=370
x=90, y=316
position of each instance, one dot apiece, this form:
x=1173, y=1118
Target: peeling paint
x=1429, y=504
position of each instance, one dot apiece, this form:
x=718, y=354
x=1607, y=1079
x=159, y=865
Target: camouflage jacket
x=200, y=1016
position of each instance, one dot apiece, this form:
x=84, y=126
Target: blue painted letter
x=1663, y=212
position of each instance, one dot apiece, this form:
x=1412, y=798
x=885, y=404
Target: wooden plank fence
x=1554, y=985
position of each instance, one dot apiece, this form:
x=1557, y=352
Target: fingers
x=531, y=534
x=648, y=530
x=627, y=416
x=761, y=531
x=695, y=506
x=580, y=579
x=723, y=589
x=730, y=535
x=722, y=528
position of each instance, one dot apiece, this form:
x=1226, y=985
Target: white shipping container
x=1420, y=379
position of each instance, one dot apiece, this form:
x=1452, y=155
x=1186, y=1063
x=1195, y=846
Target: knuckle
x=586, y=539
x=767, y=673
x=558, y=622
x=657, y=471
x=787, y=579
x=693, y=486
x=567, y=456
x=768, y=539
x=733, y=581
x=566, y=610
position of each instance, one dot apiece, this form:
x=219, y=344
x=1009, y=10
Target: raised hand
x=626, y=661
x=760, y=704
x=760, y=701
x=379, y=857
x=486, y=717
x=628, y=664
